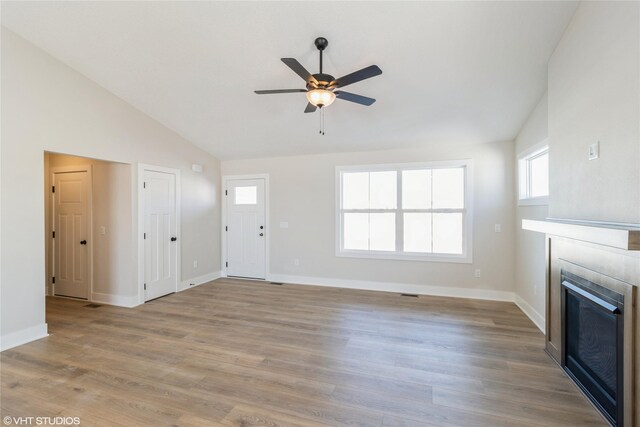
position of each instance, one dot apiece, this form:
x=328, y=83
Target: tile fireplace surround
x=607, y=254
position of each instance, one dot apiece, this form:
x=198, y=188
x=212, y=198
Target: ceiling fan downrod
x=321, y=43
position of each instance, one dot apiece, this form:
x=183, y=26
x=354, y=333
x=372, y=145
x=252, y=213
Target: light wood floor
x=248, y=353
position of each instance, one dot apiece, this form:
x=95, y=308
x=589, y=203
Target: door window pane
x=355, y=190
x=356, y=231
x=448, y=188
x=540, y=175
x=447, y=233
x=382, y=231
x=246, y=195
x=417, y=232
x=416, y=189
x=383, y=190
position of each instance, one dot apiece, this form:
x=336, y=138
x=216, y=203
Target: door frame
x=88, y=168
x=142, y=167
x=223, y=223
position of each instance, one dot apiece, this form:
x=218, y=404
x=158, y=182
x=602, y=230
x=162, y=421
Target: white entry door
x=71, y=234
x=246, y=228
x=160, y=234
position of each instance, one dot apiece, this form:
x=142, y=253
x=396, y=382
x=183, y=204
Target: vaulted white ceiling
x=453, y=72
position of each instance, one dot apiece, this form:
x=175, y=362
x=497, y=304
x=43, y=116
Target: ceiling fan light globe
x=321, y=97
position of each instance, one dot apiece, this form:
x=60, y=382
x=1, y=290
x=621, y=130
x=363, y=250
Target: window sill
x=459, y=259
x=534, y=201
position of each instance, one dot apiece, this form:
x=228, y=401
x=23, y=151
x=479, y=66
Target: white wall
x=47, y=106
x=113, y=267
x=303, y=194
x=530, y=284
x=114, y=273
x=594, y=82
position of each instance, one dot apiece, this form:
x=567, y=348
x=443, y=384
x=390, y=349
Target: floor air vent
x=276, y=283
x=93, y=305
x=409, y=295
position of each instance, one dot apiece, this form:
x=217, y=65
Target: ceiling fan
x=321, y=88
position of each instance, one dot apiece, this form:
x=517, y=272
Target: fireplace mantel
x=620, y=236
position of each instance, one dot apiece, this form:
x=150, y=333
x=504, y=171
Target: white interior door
x=160, y=234
x=71, y=234
x=246, y=228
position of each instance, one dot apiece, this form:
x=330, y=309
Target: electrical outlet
x=103, y=230
x=284, y=224
x=477, y=272
x=498, y=228
x=195, y=264
x=296, y=261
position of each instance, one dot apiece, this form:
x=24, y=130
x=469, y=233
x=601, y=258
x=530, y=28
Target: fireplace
x=592, y=313
x=593, y=342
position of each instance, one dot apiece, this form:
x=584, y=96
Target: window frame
x=467, y=213
x=524, y=172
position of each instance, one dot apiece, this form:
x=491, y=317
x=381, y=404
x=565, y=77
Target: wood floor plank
x=249, y=416
x=245, y=353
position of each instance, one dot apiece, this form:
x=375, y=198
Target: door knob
x=173, y=239
x=83, y=242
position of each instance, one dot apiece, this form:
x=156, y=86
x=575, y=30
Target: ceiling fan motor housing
x=323, y=81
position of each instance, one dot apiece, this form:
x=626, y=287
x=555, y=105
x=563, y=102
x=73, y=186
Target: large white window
x=533, y=175
x=414, y=211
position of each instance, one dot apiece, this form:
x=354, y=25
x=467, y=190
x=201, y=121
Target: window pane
x=540, y=175
x=246, y=195
x=416, y=189
x=447, y=233
x=382, y=232
x=356, y=231
x=355, y=190
x=417, y=232
x=383, y=190
x=448, y=188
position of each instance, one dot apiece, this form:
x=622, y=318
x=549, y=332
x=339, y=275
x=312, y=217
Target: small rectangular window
x=533, y=176
x=247, y=195
x=413, y=211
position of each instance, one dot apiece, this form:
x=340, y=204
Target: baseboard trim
x=531, y=313
x=197, y=281
x=23, y=336
x=407, y=288
x=117, y=300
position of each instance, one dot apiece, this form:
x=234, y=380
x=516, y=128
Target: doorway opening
x=88, y=229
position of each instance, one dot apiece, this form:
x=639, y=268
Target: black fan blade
x=356, y=76
x=310, y=108
x=266, y=92
x=352, y=97
x=298, y=69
